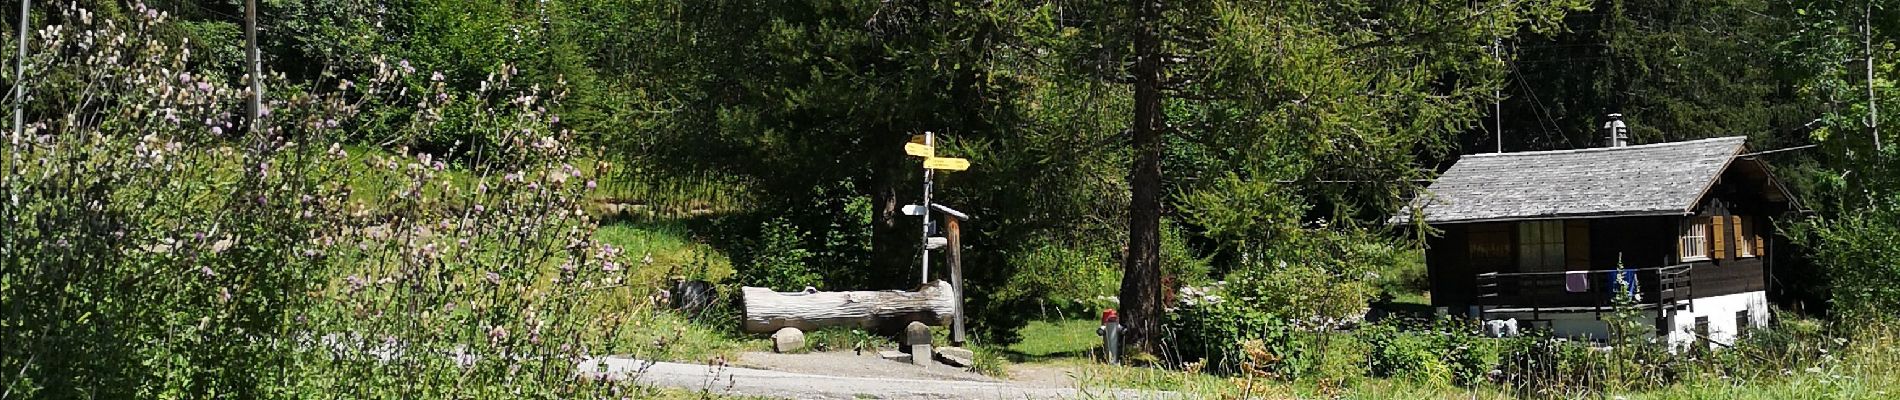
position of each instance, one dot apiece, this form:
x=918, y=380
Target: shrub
x=1537, y=365
x=1446, y=351
x=1217, y=333
x=156, y=247
x=776, y=259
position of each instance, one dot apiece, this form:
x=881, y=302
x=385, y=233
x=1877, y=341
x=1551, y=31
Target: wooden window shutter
x=1577, y=245
x=1717, y=237
x=1761, y=246
x=1741, y=235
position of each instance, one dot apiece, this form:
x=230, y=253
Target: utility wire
x=1779, y=150
x=1539, y=113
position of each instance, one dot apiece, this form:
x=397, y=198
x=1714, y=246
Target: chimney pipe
x=1619, y=133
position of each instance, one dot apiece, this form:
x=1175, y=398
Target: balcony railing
x=1586, y=291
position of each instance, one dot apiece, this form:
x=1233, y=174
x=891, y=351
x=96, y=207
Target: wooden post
x=954, y=256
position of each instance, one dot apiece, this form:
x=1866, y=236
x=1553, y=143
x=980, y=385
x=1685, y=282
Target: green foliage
x=847, y=339
x=1862, y=262
x=1446, y=352
x=1216, y=333
x=1318, y=279
x=776, y=259
x=1403, y=274
x=1079, y=280
x=156, y=247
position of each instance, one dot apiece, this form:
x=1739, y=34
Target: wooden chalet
x=1542, y=237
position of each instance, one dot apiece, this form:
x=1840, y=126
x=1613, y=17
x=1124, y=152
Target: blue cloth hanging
x=1628, y=283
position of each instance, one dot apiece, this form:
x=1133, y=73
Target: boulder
x=788, y=339
x=957, y=356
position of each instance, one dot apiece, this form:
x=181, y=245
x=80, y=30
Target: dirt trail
x=850, y=376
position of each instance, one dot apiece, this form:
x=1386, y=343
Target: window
x=1694, y=245
x=1742, y=323
x=1540, y=246
x=1742, y=247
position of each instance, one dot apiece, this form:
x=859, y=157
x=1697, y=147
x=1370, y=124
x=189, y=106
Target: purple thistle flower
x=206, y=271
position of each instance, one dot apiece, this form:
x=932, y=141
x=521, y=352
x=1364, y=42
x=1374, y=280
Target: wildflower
x=356, y=283
x=437, y=76
x=406, y=69
x=498, y=333
x=224, y=294
x=494, y=278
x=610, y=266
x=206, y=271
x=590, y=184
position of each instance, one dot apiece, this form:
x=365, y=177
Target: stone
x=957, y=356
x=893, y=355
x=788, y=339
x=917, y=333
x=920, y=355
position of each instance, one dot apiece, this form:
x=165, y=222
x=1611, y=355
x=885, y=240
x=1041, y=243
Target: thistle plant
x=155, y=241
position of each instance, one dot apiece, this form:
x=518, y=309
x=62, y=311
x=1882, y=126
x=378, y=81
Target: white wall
x=1721, y=313
x=1719, y=309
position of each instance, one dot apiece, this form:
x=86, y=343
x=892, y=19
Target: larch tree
x=1280, y=100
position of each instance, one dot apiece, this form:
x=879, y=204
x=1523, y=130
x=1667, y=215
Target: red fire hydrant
x=1111, y=333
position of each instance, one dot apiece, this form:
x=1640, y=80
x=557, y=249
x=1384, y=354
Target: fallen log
x=885, y=310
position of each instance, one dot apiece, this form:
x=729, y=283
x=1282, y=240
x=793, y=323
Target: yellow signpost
x=920, y=150
x=947, y=163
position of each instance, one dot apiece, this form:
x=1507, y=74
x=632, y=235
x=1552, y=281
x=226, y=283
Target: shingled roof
x=1654, y=179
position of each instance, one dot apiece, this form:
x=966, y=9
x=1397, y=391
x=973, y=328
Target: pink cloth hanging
x=1577, y=281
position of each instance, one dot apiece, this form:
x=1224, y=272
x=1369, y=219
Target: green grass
x=675, y=253
x=1056, y=339
x=1870, y=369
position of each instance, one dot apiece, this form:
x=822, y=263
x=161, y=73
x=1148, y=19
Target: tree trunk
x=885, y=310
x=1141, y=268
x=892, y=246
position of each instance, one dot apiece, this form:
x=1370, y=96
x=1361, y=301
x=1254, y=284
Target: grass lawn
x=1069, y=344
x=1044, y=340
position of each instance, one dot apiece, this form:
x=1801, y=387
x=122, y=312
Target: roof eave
x=1657, y=213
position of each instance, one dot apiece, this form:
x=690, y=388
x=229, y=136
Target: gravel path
x=852, y=377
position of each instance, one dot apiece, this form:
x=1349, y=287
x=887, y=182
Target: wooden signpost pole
x=954, y=256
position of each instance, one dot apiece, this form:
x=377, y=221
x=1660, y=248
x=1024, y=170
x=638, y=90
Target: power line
x=1779, y=150
x=1538, y=113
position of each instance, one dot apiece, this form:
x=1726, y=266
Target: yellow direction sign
x=919, y=139
x=920, y=150
x=947, y=163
